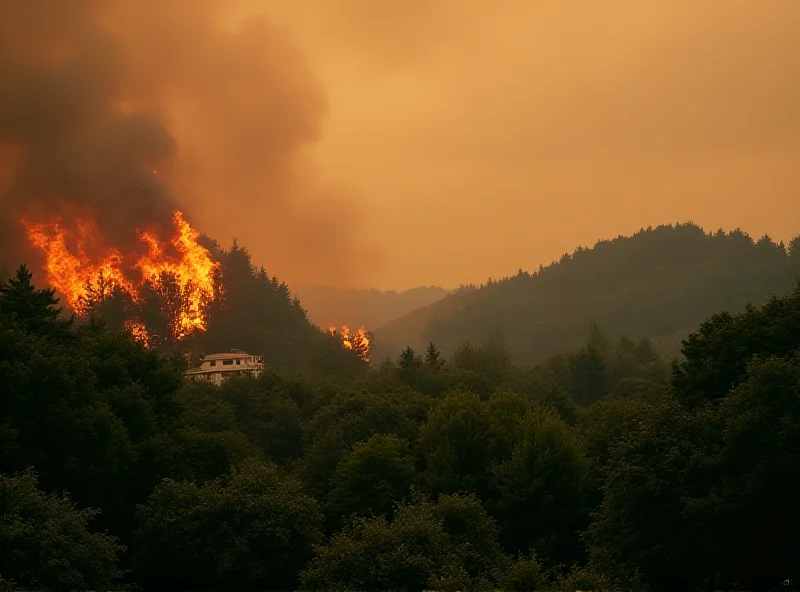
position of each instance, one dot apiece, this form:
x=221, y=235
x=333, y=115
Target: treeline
x=660, y=283
x=601, y=469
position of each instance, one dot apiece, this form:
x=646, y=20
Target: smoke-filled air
x=116, y=115
x=419, y=295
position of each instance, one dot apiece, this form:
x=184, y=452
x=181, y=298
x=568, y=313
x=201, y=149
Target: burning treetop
x=79, y=265
x=358, y=341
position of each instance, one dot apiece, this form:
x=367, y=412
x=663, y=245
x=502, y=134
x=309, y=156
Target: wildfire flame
x=69, y=272
x=139, y=332
x=76, y=259
x=194, y=271
x=358, y=341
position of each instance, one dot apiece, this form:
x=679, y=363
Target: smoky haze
x=398, y=143
x=498, y=135
x=98, y=96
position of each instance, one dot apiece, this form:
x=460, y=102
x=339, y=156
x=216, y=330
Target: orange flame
x=358, y=341
x=70, y=272
x=346, y=343
x=194, y=272
x=139, y=332
x=77, y=259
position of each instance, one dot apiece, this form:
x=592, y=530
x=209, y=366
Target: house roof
x=227, y=356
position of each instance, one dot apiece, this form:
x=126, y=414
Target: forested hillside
x=369, y=308
x=258, y=313
x=658, y=283
x=598, y=469
x=254, y=312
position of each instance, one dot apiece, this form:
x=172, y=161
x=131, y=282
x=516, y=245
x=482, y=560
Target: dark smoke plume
x=73, y=150
x=97, y=96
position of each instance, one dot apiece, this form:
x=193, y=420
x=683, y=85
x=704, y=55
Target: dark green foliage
x=543, y=490
x=481, y=369
x=192, y=454
x=455, y=446
x=589, y=578
x=350, y=418
x=604, y=425
x=524, y=575
x=371, y=479
x=715, y=358
x=45, y=543
x=525, y=463
x=268, y=415
x=449, y=545
x=700, y=488
x=252, y=529
x=641, y=525
x=588, y=380
x=749, y=513
x=79, y=405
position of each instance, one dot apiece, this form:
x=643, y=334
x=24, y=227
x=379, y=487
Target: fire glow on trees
x=358, y=341
x=78, y=263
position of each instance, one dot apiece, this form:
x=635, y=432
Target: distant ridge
x=326, y=305
x=659, y=283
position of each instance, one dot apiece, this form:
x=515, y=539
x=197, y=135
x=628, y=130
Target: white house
x=217, y=368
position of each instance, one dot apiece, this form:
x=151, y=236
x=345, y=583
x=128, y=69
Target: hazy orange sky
x=485, y=136
x=395, y=143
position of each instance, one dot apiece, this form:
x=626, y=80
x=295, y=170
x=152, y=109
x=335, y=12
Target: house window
x=227, y=362
x=238, y=362
x=212, y=363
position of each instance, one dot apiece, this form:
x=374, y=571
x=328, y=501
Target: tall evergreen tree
x=408, y=360
x=34, y=310
x=433, y=358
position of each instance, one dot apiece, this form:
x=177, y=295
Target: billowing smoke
x=128, y=109
x=71, y=148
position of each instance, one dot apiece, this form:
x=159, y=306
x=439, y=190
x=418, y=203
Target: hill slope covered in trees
x=253, y=312
x=658, y=283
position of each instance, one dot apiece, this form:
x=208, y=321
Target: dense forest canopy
x=659, y=283
x=603, y=468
